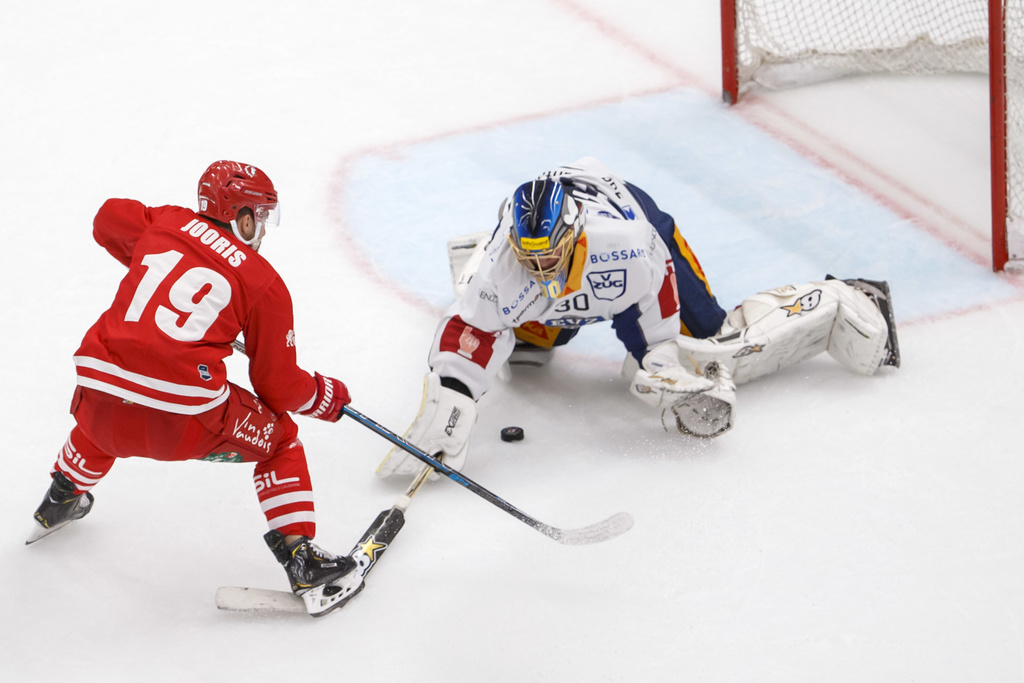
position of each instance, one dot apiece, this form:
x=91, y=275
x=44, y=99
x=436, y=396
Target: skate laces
x=315, y=552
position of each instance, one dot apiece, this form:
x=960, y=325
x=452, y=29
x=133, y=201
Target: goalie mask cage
x=783, y=43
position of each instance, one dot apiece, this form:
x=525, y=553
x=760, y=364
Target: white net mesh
x=784, y=43
x=793, y=42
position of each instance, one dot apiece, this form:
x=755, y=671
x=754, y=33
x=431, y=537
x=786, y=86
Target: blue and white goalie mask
x=546, y=222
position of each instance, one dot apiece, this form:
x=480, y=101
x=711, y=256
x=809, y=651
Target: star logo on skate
x=808, y=302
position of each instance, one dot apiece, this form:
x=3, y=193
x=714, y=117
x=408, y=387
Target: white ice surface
x=847, y=529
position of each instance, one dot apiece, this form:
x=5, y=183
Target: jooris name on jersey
x=215, y=240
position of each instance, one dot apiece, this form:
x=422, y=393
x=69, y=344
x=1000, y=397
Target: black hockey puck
x=512, y=434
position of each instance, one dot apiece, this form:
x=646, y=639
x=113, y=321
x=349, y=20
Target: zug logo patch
x=608, y=285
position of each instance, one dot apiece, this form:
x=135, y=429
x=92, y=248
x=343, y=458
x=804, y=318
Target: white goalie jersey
x=622, y=272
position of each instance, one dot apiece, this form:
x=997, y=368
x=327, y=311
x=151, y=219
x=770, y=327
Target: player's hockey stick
x=595, y=533
x=371, y=546
x=604, y=530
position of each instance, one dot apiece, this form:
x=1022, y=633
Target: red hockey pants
x=243, y=429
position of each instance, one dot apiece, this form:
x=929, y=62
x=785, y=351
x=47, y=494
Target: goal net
x=785, y=43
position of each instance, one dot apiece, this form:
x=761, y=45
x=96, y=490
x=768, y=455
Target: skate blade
x=325, y=599
x=39, y=531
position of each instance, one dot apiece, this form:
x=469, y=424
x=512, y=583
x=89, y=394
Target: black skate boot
x=60, y=507
x=306, y=563
x=878, y=291
x=323, y=581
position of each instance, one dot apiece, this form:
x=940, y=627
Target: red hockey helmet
x=227, y=187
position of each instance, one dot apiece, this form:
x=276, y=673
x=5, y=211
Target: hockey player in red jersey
x=152, y=380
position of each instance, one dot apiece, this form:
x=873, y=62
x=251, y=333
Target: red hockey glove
x=331, y=397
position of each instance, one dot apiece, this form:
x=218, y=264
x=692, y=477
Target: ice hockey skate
x=323, y=581
x=59, y=508
x=878, y=292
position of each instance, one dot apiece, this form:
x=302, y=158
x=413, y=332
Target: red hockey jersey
x=191, y=289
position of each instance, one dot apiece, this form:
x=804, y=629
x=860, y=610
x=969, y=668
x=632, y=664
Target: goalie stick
x=371, y=546
x=606, y=529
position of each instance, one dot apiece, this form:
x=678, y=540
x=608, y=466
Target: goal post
x=997, y=128
x=786, y=43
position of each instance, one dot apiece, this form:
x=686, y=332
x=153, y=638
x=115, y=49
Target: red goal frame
x=997, y=112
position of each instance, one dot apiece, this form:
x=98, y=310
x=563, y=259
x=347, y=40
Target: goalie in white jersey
x=580, y=246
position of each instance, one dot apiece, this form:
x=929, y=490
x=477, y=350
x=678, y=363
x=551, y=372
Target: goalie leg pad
x=769, y=331
x=859, y=351
x=860, y=334
x=442, y=427
x=781, y=327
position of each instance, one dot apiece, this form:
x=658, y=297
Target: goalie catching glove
x=699, y=403
x=442, y=429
